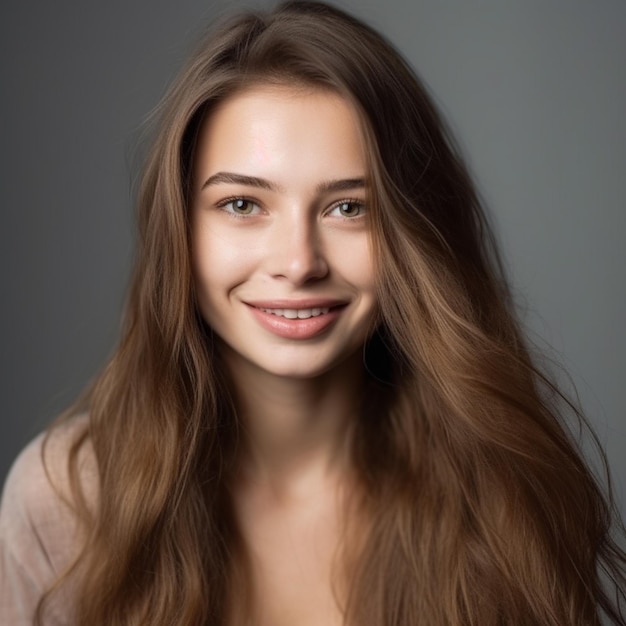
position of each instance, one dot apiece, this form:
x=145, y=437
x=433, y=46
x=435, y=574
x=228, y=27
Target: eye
x=239, y=206
x=348, y=208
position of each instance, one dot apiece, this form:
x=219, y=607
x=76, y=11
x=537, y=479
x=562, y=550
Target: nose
x=296, y=250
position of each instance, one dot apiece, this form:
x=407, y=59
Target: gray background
x=536, y=92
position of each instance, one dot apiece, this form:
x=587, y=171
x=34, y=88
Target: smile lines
x=300, y=314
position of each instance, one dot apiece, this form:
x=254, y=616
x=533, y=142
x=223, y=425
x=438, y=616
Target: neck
x=296, y=432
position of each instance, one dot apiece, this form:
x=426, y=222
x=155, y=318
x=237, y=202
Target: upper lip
x=304, y=303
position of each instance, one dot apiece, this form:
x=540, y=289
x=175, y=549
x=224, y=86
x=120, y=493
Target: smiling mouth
x=307, y=321
x=300, y=314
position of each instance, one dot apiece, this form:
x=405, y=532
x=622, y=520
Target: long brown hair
x=481, y=509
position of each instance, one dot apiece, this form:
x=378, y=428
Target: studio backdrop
x=535, y=93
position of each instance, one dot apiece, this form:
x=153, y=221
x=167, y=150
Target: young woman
x=321, y=410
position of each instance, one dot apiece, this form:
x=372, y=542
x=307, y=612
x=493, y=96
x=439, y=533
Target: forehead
x=287, y=133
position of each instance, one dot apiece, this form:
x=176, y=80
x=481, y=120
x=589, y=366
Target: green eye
x=239, y=206
x=242, y=206
x=349, y=208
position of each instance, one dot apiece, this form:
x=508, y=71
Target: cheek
x=208, y=268
x=363, y=270
x=362, y=274
x=213, y=252
x=220, y=263
x=353, y=259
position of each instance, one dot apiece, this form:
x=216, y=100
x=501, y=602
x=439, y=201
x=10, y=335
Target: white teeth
x=301, y=314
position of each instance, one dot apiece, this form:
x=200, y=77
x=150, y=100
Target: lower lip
x=296, y=328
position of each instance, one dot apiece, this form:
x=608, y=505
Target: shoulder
x=39, y=531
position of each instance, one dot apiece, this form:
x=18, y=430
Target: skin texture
x=298, y=238
x=294, y=245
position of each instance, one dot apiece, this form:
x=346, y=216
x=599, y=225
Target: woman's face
x=281, y=248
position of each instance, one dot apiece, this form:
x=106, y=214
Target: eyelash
x=351, y=201
x=226, y=201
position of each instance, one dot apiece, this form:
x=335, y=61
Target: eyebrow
x=343, y=184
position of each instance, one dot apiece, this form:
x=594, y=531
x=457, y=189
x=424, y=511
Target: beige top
x=38, y=531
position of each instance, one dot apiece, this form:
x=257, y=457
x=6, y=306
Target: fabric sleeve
x=38, y=534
